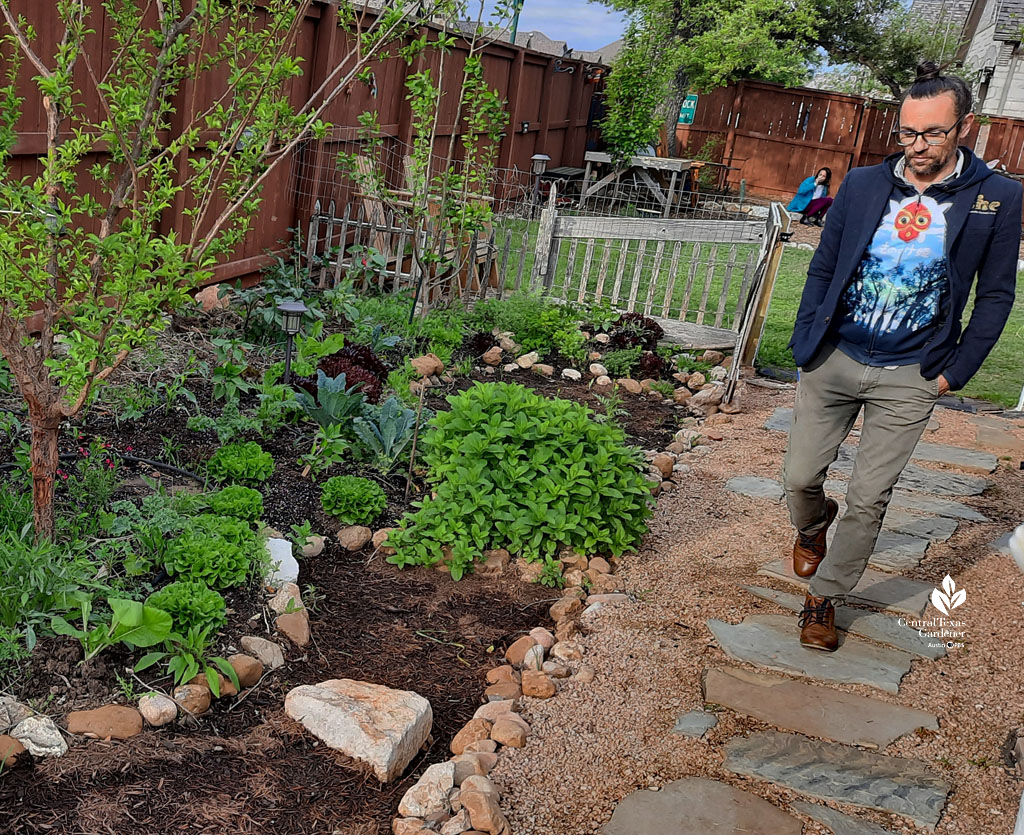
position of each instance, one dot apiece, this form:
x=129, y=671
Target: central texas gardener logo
x=949, y=597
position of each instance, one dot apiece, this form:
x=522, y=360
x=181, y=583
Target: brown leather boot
x=809, y=551
x=818, y=624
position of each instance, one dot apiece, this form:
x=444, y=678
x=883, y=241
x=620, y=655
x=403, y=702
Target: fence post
x=545, y=236
x=763, y=293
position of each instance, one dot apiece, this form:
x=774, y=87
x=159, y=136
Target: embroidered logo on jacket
x=985, y=207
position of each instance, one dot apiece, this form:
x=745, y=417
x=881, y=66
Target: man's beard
x=932, y=166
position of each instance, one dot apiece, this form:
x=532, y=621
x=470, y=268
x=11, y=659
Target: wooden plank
x=585, y=272
x=781, y=223
x=486, y=279
x=603, y=272
x=619, y=269
x=638, y=269
x=524, y=247
x=553, y=256
x=328, y=242
x=689, y=335
x=666, y=308
x=727, y=281
x=342, y=245
x=694, y=263
x=655, y=272
x=636, y=229
x=314, y=232
x=659, y=163
x=570, y=265
x=709, y=278
x=654, y=188
x=400, y=259
x=545, y=237
x=503, y=268
x=748, y=276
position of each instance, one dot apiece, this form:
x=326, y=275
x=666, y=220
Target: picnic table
x=641, y=167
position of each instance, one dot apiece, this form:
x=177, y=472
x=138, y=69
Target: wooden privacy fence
x=774, y=137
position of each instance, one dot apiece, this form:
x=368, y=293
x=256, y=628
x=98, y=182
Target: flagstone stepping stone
x=875, y=589
x=873, y=625
x=756, y=487
x=812, y=709
x=894, y=551
x=903, y=500
x=896, y=519
x=781, y=420
x=698, y=806
x=996, y=437
x=829, y=771
x=922, y=479
x=971, y=460
x=839, y=823
x=772, y=642
x=695, y=723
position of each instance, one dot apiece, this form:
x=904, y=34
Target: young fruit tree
x=89, y=263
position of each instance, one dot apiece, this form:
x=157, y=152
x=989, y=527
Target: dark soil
x=247, y=767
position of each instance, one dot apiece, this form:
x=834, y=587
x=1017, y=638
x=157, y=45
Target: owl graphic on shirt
x=900, y=281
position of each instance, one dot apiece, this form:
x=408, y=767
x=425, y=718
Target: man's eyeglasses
x=933, y=136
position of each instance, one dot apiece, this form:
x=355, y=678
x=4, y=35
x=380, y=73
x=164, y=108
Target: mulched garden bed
x=248, y=768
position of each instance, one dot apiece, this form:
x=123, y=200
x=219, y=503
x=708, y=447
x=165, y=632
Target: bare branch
x=26, y=47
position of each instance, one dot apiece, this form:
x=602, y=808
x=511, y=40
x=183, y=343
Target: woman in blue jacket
x=812, y=199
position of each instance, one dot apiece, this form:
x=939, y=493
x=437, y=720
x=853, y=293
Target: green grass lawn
x=999, y=379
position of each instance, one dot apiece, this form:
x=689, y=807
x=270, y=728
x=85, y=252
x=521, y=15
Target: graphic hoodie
x=899, y=294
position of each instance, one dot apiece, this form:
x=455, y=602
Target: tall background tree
x=86, y=270
x=675, y=46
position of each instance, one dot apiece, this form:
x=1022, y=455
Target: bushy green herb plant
x=191, y=605
x=187, y=655
x=245, y=463
x=216, y=550
x=237, y=501
x=353, y=500
x=512, y=469
x=621, y=363
x=664, y=388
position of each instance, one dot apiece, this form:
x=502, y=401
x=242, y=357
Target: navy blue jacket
x=983, y=231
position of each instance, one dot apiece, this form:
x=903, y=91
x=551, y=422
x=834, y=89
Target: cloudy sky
x=583, y=25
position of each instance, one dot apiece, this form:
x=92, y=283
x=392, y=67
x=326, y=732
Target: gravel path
x=593, y=744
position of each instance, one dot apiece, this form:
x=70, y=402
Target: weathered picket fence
x=706, y=282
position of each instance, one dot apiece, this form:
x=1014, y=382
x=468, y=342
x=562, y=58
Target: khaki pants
x=898, y=404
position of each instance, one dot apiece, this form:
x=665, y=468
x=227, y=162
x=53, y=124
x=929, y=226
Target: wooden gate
x=696, y=278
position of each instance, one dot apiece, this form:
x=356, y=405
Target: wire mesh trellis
x=695, y=267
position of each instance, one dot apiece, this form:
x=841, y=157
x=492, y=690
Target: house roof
x=1010, y=20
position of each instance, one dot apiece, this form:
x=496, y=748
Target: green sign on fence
x=687, y=111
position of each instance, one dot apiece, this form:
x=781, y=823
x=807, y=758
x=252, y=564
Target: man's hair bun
x=927, y=70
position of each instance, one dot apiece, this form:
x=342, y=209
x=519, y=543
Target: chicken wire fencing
x=694, y=268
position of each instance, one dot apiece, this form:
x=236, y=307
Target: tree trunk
x=45, y=459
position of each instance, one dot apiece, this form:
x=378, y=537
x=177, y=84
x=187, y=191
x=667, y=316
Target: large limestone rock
x=430, y=794
x=368, y=722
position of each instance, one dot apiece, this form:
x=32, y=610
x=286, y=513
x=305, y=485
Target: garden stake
x=415, y=436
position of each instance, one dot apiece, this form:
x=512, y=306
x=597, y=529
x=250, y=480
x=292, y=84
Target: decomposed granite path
x=829, y=746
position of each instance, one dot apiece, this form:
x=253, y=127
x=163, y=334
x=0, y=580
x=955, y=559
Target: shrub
x=216, y=550
x=191, y=605
x=515, y=470
x=246, y=463
x=621, y=363
x=239, y=502
x=353, y=500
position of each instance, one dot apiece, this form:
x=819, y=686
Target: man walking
x=879, y=327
